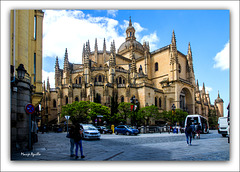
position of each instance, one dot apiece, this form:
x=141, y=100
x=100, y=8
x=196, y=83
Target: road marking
x=113, y=156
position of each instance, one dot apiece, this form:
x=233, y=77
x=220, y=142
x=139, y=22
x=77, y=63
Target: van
x=223, y=126
x=198, y=119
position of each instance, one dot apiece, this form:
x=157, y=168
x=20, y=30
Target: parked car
x=104, y=130
x=90, y=132
x=125, y=129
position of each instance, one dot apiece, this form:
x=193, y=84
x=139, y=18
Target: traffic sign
x=67, y=117
x=30, y=109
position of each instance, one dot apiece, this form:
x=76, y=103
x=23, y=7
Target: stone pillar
x=20, y=97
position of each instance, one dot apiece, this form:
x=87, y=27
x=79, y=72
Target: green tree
x=96, y=109
x=212, y=119
x=78, y=111
x=124, y=111
x=173, y=117
x=149, y=112
x=114, y=110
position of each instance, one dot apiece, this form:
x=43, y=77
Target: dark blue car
x=125, y=129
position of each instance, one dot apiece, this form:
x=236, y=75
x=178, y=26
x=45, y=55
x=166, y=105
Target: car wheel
x=116, y=132
x=224, y=135
x=127, y=133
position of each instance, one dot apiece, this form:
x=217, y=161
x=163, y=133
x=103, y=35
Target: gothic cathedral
x=164, y=77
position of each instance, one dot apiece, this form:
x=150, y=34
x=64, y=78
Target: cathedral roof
x=126, y=45
x=218, y=100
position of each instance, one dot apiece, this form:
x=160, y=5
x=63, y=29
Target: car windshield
x=88, y=127
x=129, y=127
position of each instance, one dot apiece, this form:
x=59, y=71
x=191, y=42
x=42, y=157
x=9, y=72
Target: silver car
x=90, y=132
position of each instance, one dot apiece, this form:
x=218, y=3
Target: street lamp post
x=67, y=117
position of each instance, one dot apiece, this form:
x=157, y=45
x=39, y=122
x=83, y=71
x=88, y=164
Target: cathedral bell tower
x=130, y=32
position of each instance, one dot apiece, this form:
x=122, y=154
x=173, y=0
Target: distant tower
x=190, y=70
x=219, y=103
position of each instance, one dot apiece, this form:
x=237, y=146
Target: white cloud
x=152, y=39
x=209, y=89
x=222, y=58
x=51, y=76
x=112, y=12
x=71, y=29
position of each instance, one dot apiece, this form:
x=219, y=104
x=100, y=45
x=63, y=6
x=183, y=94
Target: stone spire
x=173, y=49
x=112, y=60
x=203, y=89
x=57, y=72
x=96, y=45
x=189, y=52
x=197, y=86
x=83, y=53
x=133, y=66
x=56, y=63
x=48, y=84
x=173, y=40
x=87, y=54
x=66, y=63
x=104, y=46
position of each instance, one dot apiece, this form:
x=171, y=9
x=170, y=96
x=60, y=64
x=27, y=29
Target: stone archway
x=186, y=101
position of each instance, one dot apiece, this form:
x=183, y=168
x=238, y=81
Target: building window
x=120, y=80
x=34, y=66
x=95, y=79
x=155, y=101
x=76, y=81
x=80, y=80
x=54, y=103
x=76, y=99
x=156, y=66
x=179, y=68
x=66, y=100
x=123, y=81
x=35, y=28
x=160, y=102
x=122, y=99
x=99, y=78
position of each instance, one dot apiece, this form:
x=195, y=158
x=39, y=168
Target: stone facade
x=25, y=49
x=163, y=77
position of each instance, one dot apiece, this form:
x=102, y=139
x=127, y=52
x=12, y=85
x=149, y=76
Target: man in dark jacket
x=188, y=133
x=78, y=139
x=71, y=136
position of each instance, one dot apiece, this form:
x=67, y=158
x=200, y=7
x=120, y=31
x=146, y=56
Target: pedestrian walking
x=78, y=140
x=71, y=136
x=198, y=131
x=188, y=133
x=193, y=130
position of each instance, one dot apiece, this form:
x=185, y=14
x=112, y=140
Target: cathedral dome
x=126, y=45
x=218, y=100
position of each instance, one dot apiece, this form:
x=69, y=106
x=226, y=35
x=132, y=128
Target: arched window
x=155, y=101
x=54, y=103
x=80, y=80
x=76, y=81
x=66, y=100
x=156, y=66
x=122, y=99
x=120, y=80
x=160, y=102
x=76, y=99
x=95, y=79
x=123, y=81
x=99, y=78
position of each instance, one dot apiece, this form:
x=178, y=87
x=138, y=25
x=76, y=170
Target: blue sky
x=206, y=30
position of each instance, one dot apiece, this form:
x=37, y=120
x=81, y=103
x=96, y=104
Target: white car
x=223, y=126
x=90, y=132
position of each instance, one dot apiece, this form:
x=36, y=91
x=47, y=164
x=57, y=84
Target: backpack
x=189, y=129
